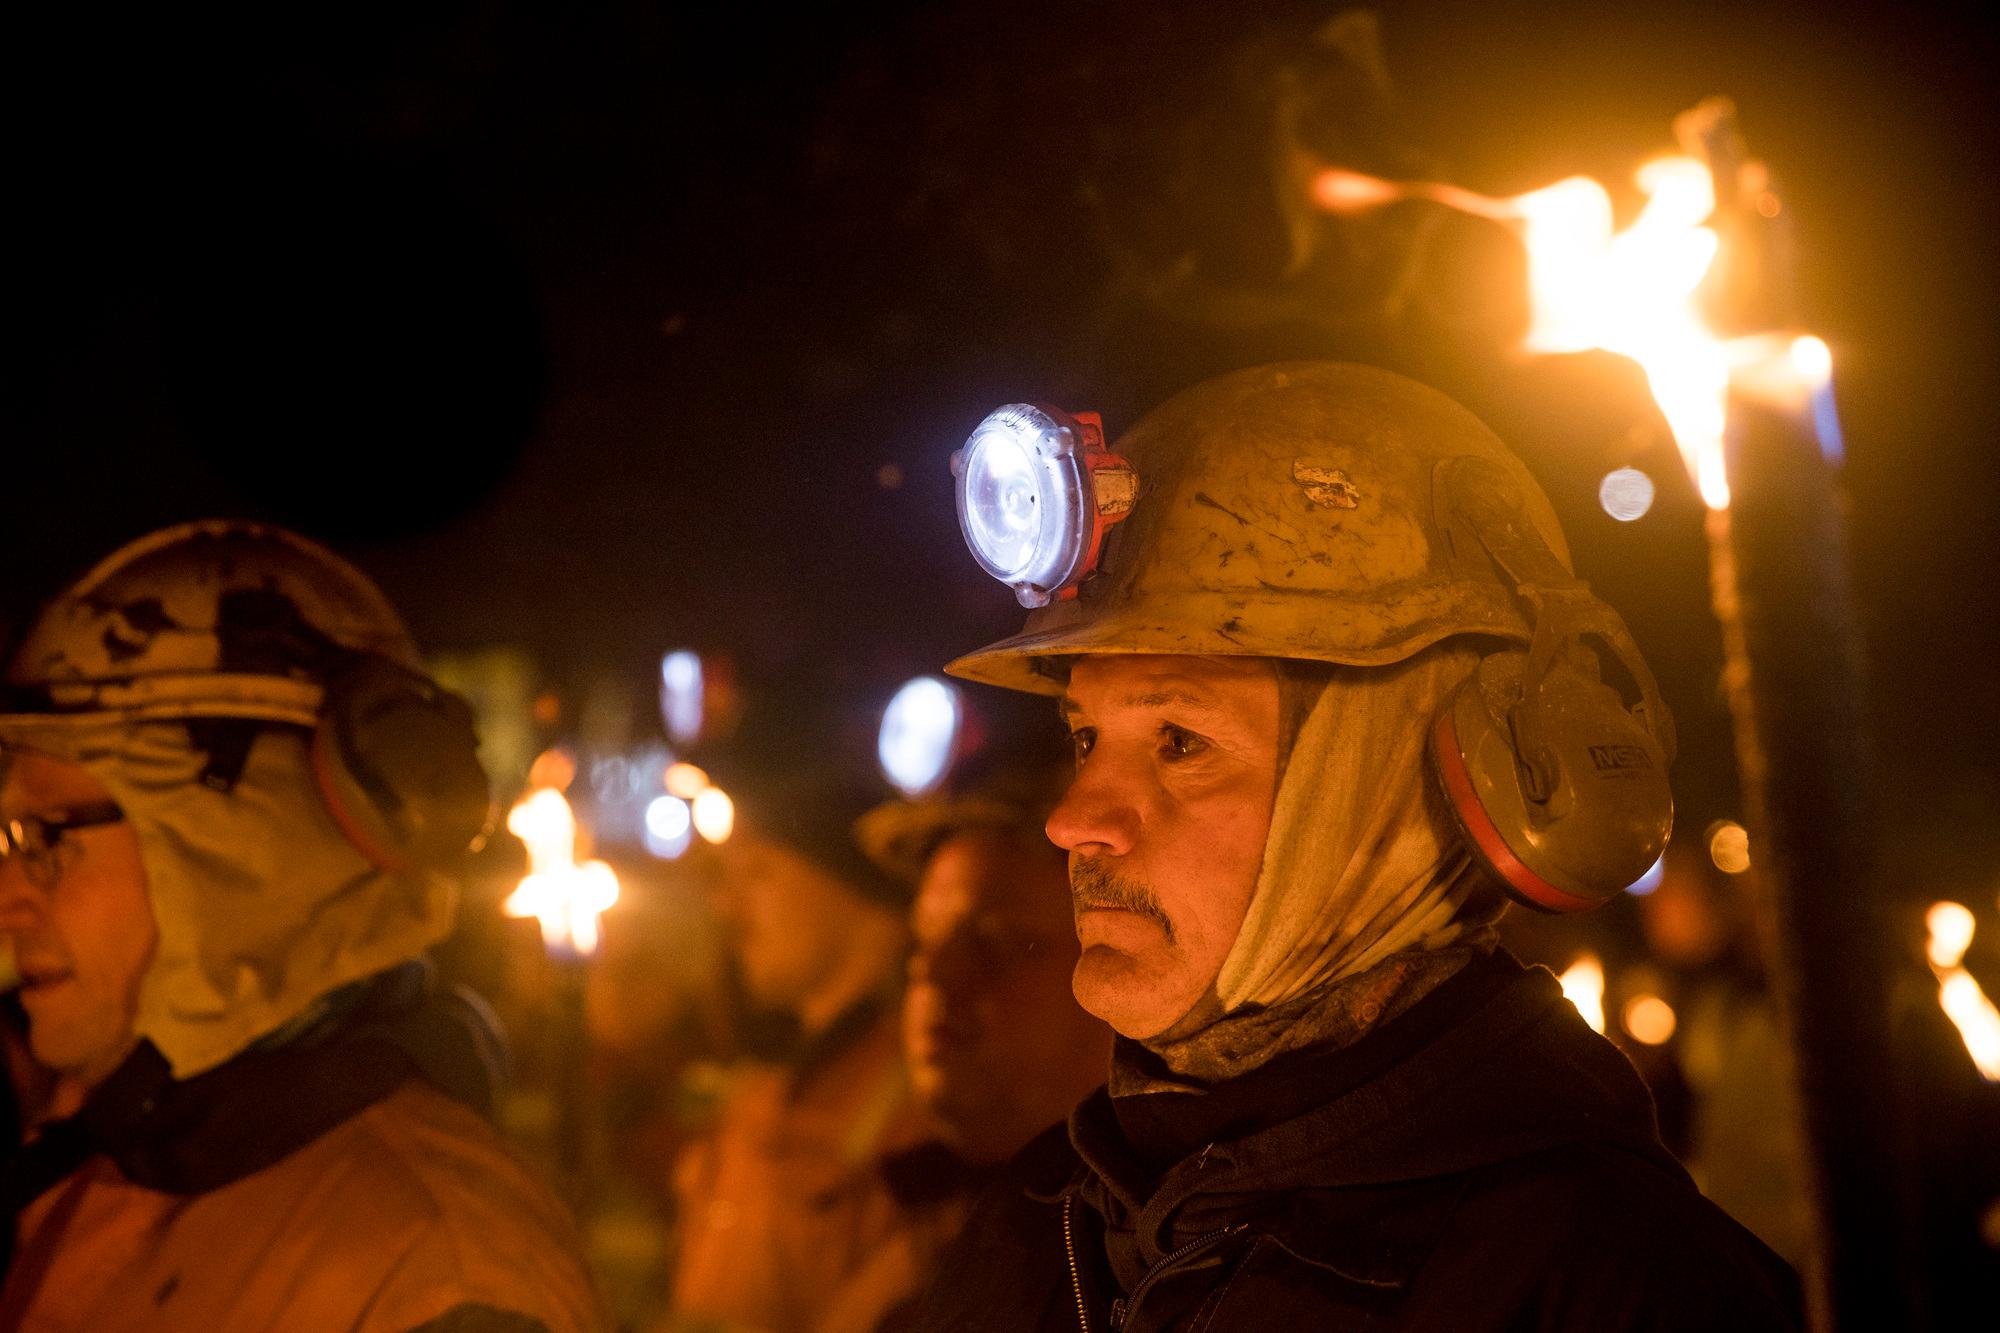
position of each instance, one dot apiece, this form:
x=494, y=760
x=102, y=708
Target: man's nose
x=1096, y=816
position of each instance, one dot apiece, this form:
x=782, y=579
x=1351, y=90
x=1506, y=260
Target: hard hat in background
x=1010, y=785
x=1344, y=514
x=229, y=626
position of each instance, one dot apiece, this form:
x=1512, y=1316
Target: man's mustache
x=1093, y=884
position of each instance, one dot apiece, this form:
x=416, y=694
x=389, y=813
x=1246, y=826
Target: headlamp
x=1036, y=491
x=681, y=696
x=919, y=735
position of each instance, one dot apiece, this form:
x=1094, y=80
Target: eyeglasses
x=34, y=839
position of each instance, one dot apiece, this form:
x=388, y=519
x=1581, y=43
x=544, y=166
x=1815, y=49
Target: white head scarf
x=262, y=906
x=1363, y=873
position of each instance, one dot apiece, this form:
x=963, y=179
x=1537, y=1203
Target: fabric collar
x=196, y=1135
x=1492, y=1067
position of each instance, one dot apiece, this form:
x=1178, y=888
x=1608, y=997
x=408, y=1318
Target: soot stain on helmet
x=143, y=618
x=261, y=631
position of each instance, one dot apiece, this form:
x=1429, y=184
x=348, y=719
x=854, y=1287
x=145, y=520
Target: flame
x=1631, y=292
x=714, y=814
x=685, y=780
x=1950, y=926
x=1583, y=986
x=566, y=896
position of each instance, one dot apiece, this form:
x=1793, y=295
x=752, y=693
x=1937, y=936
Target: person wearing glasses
x=229, y=808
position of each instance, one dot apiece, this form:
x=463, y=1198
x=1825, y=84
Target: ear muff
x=396, y=759
x=1557, y=779
x=1568, y=819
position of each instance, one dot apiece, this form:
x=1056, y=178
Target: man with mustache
x=1334, y=696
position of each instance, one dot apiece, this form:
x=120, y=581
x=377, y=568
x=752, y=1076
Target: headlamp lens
x=1003, y=501
x=1022, y=500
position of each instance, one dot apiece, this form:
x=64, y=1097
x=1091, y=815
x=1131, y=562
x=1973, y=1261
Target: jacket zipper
x=1121, y=1308
x=1075, y=1276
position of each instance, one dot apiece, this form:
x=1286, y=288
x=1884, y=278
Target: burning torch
x=567, y=897
x=1695, y=291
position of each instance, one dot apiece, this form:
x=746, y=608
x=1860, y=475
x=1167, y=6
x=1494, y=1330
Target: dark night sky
x=592, y=328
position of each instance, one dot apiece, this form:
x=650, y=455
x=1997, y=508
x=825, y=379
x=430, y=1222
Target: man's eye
x=1179, y=743
x=1082, y=741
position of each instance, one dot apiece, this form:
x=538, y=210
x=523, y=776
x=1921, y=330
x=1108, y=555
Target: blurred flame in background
x=1650, y=1019
x=565, y=896
x=1633, y=292
x=1583, y=986
x=714, y=814
x=685, y=780
x=1959, y=993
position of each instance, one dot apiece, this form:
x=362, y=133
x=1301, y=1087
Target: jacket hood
x=262, y=905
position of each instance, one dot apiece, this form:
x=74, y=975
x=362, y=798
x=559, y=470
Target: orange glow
x=565, y=896
x=714, y=814
x=1950, y=926
x=1650, y=1019
x=1583, y=986
x=553, y=768
x=685, y=781
x=1729, y=847
x=1593, y=286
x=1813, y=359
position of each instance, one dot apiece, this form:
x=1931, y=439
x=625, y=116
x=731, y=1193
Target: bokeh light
x=1729, y=846
x=669, y=827
x=919, y=732
x=714, y=814
x=1626, y=494
x=1649, y=1019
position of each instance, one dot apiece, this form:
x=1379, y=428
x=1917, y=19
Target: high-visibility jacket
x=409, y=1214
x=783, y=1202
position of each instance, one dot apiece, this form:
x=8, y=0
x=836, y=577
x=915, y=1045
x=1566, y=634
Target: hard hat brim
x=900, y=836
x=1306, y=626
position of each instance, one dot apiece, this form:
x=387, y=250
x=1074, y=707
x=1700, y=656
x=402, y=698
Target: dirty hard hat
x=229, y=626
x=1344, y=514
x=1284, y=511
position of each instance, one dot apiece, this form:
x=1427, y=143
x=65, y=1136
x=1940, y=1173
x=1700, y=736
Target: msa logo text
x=1607, y=758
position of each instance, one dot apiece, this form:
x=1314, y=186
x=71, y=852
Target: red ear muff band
x=322, y=770
x=1458, y=788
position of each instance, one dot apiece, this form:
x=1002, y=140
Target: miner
x=1335, y=696
x=996, y=1045
x=230, y=807
x=778, y=1198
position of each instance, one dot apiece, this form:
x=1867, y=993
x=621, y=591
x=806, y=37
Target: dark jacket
x=1483, y=1162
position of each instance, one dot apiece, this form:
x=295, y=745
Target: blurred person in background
x=998, y=1047
x=229, y=806
x=775, y=1204
x=1743, y=1140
